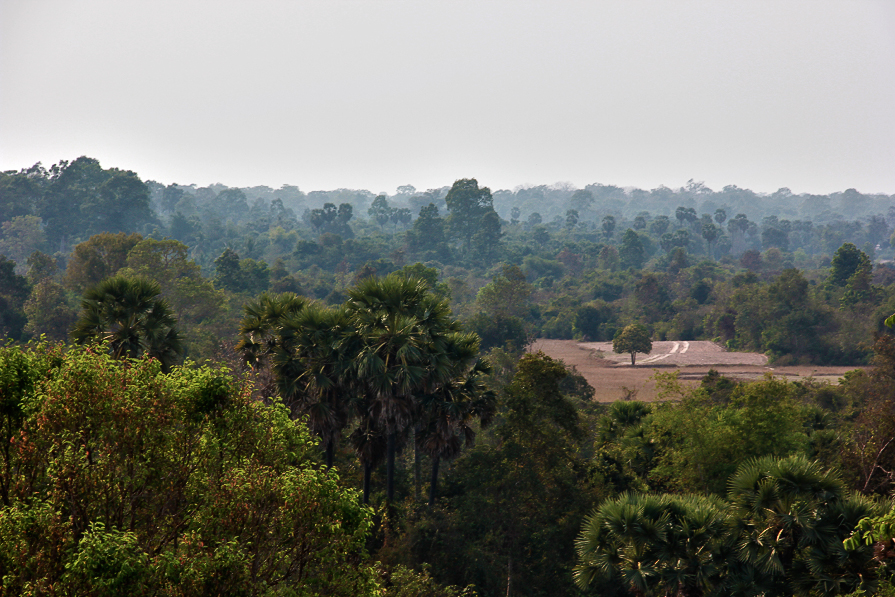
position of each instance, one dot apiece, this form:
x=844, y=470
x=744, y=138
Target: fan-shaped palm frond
x=792, y=518
x=313, y=376
x=128, y=315
x=655, y=544
x=262, y=320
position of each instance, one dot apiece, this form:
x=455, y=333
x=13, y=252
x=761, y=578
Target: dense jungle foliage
x=246, y=388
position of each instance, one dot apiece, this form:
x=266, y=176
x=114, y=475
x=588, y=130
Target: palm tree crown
x=129, y=315
x=452, y=403
x=262, y=321
x=313, y=374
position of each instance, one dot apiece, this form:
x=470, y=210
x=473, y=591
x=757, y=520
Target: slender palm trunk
x=367, y=470
x=417, y=467
x=390, y=467
x=433, y=485
x=330, y=449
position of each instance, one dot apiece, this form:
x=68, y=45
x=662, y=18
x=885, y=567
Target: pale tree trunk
x=509, y=576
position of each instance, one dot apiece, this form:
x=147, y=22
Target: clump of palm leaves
x=780, y=532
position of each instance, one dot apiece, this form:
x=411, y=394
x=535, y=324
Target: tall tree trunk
x=632, y=358
x=367, y=470
x=390, y=467
x=433, y=485
x=417, y=467
x=330, y=449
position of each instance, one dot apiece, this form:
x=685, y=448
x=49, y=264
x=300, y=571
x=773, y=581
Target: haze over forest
x=376, y=95
x=583, y=262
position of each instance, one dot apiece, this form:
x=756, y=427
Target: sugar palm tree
x=370, y=445
x=792, y=516
x=449, y=409
x=313, y=375
x=262, y=321
x=778, y=501
x=303, y=343
x=391, y=367
x=828, y=568
x=129, y=315
x=651, y=545
x=401, y=327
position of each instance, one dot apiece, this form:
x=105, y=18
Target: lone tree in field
x=632, y=339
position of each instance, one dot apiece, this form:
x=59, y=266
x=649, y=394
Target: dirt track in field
x=613, y=377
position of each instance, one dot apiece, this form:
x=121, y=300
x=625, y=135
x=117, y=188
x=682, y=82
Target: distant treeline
x=782, y=273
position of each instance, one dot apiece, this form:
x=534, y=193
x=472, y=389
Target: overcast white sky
x=379, y=93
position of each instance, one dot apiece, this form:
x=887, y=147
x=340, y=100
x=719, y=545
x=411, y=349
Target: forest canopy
x=277, y=392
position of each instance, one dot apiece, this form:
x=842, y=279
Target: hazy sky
x=379, y=93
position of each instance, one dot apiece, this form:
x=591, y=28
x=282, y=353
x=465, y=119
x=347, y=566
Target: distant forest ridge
x=801, y=277
x=554, y=199
x=592, y=202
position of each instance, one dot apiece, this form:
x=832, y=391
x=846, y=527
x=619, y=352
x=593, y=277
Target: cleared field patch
x=613, y=377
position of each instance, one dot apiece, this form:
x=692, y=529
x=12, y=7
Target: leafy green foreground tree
x=878, y=532
x=121, y=480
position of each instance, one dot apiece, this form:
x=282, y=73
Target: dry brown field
x=613, y=377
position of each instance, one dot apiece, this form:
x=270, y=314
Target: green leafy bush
x=121, y=480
